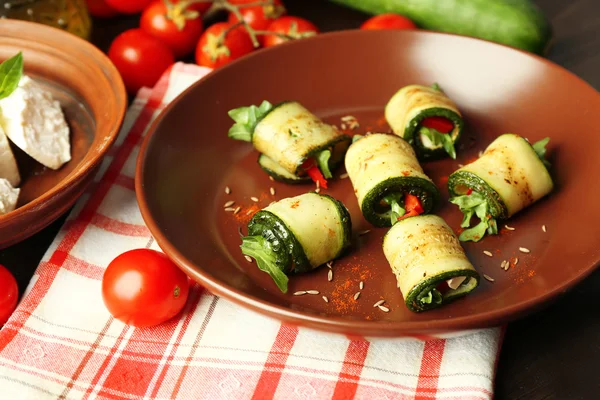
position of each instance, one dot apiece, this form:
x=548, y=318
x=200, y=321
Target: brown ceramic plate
x=187, y=161
x=93, y=99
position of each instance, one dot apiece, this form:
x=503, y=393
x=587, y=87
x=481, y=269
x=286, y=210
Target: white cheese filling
x=34, y=121
x=8, y=164
x=8, y=197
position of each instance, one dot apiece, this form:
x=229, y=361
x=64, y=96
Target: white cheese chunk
x=34, y=121
x=454, y=283
x=8, y=164
x=8, y=197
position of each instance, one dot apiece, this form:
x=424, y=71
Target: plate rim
x=338, y=324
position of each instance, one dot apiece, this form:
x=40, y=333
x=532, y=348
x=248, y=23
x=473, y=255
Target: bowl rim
x=88, y=163
x=338, y=324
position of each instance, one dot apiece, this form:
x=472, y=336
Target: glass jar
x=70, y=15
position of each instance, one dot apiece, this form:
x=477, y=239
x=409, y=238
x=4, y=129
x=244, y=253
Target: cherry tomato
x=144, y=288
x=9, y=294
x=177, y=27
x=213, y=52
x=99, y=8
x=140, y=58
x=128, y=6
x=258, y=17
x=295, y=27
x=388, y=21
x=200, y=7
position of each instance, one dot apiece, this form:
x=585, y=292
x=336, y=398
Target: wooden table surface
x=554, y=354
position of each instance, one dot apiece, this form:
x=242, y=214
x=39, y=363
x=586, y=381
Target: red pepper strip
x=314, y=172
x=469, y=192
x=440, y=124
x=443, y=287
x=412, y=205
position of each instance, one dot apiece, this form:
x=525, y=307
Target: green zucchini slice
x=278, y=173
x=430, y=265
x=384, y=168
x=298, y=235
x=509, y=176
x=289, y=134
x=412, y=104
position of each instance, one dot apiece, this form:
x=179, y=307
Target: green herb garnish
x=11, y=71
x=437, y=87
x=540, y=150
x=260, y=249
x=438, y=138
x=246, y=119
x=323, y=161
x=433, y=296
x=397, y=211
x=475, y=204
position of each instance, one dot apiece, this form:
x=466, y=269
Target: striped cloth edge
x=62, y=343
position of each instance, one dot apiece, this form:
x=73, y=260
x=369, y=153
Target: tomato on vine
x=258, y=17
x=222, y=43
x=289, y=28
x=128, y=6
x=176, y=25
x=140, y=58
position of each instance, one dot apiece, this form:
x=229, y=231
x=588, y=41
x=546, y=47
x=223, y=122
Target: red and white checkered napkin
x=62, y=343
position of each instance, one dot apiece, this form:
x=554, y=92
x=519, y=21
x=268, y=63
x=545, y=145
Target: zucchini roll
x=295, y=145
x=509, y=176
x=430, y=265
x=388, y=180
x=297, y=235
x=427, y=119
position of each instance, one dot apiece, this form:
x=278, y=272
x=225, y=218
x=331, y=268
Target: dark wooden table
x=554, y=354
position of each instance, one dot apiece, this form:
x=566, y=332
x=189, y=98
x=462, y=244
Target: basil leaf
x=438, y=138
x=323, y=160
x=246, y=119
x=393, y=200
x=259, y=248
x=11, y=71
x=540, y=150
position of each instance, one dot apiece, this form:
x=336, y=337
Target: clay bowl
x=187, y=161
x=93, y=98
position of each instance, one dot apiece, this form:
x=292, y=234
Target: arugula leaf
x=393, y=200
x=475, y=204
x=246, y=119
x=323, y=161
x=540, y=150
x=438, y=138
x=433, y=296
x=11, y=71
x=436, y=86
x=259, y=248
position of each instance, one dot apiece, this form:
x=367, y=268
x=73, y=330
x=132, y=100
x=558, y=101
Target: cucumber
x=278, y=173
x=407, y=109
x=423, y=252
x=296, y=235
x=516, y=23
x=381, y=165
